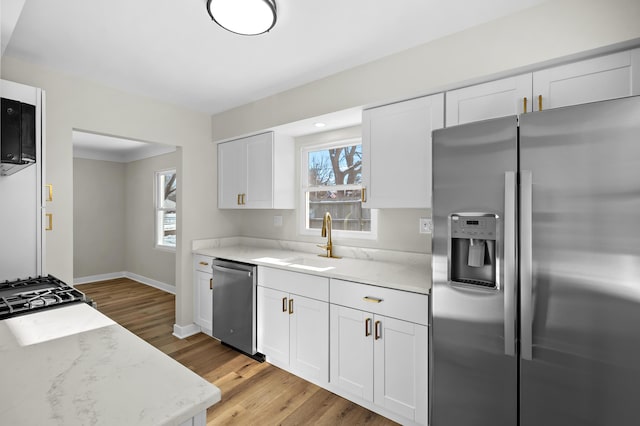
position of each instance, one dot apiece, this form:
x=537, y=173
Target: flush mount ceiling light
x=245, y=17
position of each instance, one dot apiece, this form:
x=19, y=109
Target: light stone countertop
x=74, y=366
x=396, y=270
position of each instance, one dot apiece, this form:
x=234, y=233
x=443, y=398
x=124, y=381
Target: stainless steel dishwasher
x=234, y=304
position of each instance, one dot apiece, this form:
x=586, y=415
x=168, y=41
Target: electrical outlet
x=426, y=225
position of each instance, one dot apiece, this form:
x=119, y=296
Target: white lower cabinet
x=203, y=294
x=365, y=343
x=293, y=322
x=380, y=359
x=380, y=355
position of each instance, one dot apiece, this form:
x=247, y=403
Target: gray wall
x=99, y=217
x=142, y=257
x=114, y=219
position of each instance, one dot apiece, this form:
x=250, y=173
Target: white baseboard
x=183, y=331
x=100, y=277
x=153, y=283
x=124, y=274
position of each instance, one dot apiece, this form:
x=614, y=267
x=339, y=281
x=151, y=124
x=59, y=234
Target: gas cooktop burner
x=29, y=295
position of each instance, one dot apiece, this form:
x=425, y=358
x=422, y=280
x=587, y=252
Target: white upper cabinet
x=256, y=172
x=494, y=99
x=606, y=77
x=396, y=151
x=597, y=79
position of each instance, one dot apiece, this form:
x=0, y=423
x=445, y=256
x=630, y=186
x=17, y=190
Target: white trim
x=99, y=277
x=152, y=283
x=168, y=288
x=184, y=331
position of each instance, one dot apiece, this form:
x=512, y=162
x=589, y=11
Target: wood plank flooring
x=253, y=393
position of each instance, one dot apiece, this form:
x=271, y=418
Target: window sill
x=170, y=249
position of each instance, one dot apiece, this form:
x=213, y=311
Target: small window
x=165, y=198
x=332, y=182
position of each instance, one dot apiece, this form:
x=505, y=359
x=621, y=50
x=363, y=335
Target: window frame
x=157, y=209
x=305, y=188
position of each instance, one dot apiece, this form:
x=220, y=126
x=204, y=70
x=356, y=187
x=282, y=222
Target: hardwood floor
x=253, y=393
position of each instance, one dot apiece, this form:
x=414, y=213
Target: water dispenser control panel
x=480, y=227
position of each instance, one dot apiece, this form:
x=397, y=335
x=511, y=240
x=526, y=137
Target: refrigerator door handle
x=509, y=263
x=526, y=262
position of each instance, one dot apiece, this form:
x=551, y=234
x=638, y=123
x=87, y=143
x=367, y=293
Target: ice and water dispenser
x=472, y=250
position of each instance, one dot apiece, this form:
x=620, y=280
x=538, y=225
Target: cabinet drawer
x=202, y=263
x=294, y=282
x=399, y=304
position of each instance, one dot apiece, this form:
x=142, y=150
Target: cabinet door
x=203, y=301
x=309, y=338
x=273, y=325
x=351, y=348
x=396, y=151
x=494, y=99
x=606, y=77
x=259, y=171
x=401, y=377
x=231, y=174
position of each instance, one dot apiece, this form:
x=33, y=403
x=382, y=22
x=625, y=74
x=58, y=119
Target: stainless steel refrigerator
x=536, y=269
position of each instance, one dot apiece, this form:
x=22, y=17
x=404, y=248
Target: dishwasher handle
x=232, y=270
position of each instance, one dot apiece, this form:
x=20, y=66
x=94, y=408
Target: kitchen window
x=332, y=182
x=165, y=208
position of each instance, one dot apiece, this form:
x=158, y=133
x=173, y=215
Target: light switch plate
x=426, y=225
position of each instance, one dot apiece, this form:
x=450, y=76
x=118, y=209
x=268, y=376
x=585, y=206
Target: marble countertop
x=74, y=366
x=401, y=271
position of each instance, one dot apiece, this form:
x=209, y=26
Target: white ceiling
x=170, y=50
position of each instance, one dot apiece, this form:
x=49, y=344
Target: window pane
x=335, y=166
x=345, y=208
x=167, y=233
x=167, y=189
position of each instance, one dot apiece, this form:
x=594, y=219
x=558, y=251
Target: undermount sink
x=307, y=263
